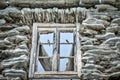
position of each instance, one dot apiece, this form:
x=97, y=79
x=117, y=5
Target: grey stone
x=117, y=21
x=114, y=14
x=6, y=27
x=17, y=39
x=3, y=4
x=23, y=46
x=9, y=33
x=113, y=29
x=16, y=73
x=102, y=17
x=4, y=44
x=101, y=52
x=88, y=42
x=2, y=21
x=105, y=36
x=15, y=63
x=105, y=7
x=24, y=29
x=91, y=47
x=88, y=32
x=112, y=41
x=115, y=74
x=10, y=10
x=15, y=52
x=93, y=23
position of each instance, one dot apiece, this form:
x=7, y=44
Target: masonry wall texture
x=99, y=34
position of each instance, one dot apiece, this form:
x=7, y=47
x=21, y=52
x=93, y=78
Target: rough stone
x=9, y=33
x=91, y=47
x=94, y=24
x=4, y=44
x=105, y=7
x=16, y=73
x=13, y=53
x=6, y=27
x=15, y=63
x=105, y=36
x=102, y=17
x=23, y=29
x=16, y=39
x=112, y=41
x=2, y=21
x=117, y=21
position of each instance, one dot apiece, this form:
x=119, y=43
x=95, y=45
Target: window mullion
x=56, y=55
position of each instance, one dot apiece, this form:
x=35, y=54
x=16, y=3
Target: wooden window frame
x=34, y=53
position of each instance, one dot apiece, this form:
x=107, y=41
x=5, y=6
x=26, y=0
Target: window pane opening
x=66, y=37
x=67, y=64
x=46, y=38
x=66, y=50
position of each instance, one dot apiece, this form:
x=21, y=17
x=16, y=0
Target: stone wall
x=100, y=39
x=14, y=48
x=99, y=36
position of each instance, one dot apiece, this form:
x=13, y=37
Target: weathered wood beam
x=50, y=30
x=56, y=55
x=57, y=75
x=78, y=56
x=52, y=25
x=33, y=51
x=44, y=3
x=42, y=57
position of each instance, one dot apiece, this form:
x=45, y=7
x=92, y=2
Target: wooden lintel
x=41, y=76
x=43, y=57
x=53, y=43
x=56, y=25
x=49, y=30
x=57, y=75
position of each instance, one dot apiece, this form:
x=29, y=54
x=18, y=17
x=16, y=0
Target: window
x=55, y=51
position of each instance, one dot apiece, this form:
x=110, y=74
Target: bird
x=49, y=42
x=67, y=41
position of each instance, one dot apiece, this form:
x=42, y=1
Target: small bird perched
x=67, y=41
x=49, y=42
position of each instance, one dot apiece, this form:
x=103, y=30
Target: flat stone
x=16, y=73
x=105, y=7
x=117, y=21
x=6, y=27
x=105, y=36
x=2, y=22
x=101, y=52
x=23, y=29
x=114, y=14
x=16, y=62
x=9, y=33
x=4, y=44
x=17, y=39
x=102, y=17
x=88, y=32
x=91, y=47
x=113, y=29
x=14, y=53
x=112, y=41
x=94, y=24
x=115, y=74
